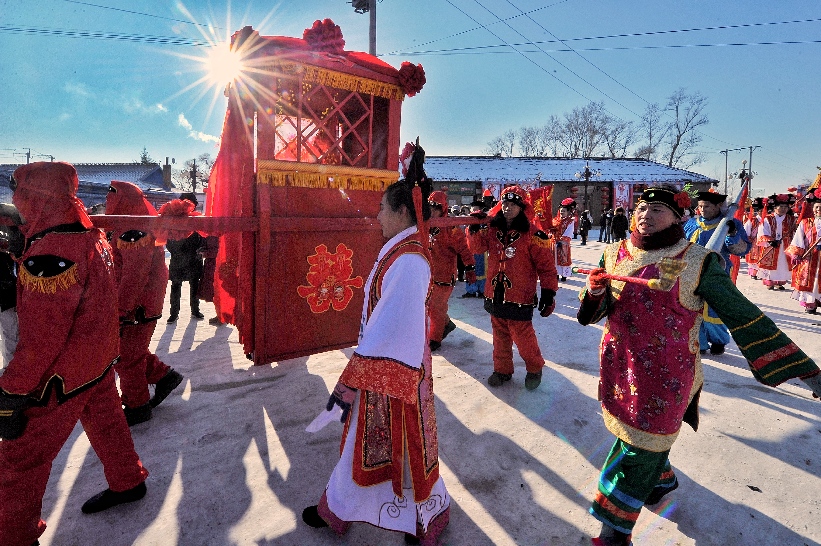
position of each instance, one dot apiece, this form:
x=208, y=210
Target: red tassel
x=421, y=223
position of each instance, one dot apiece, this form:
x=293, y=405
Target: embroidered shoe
x=496, y=378
x=311, y=517
x=135, y=416
x=658, y=493
x=108, y=499
x=533, y=380
x=165, y=386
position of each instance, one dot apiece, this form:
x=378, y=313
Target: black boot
x=165, y=386
x=108, y=498
x=135, y=416
x=312, y=518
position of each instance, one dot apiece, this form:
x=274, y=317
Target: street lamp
x=742, y=175
x=587, y=174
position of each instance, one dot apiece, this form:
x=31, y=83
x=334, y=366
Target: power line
x=480, y=49
x=136, y=13
x=102, y=35
x=624, y=35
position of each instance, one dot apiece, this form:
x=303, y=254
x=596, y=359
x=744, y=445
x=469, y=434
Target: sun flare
x=222, y=64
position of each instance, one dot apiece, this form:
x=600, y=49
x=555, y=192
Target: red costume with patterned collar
x=69, y=340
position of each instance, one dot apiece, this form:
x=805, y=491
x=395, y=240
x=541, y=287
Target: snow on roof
x=144, y=176
x=488, y=169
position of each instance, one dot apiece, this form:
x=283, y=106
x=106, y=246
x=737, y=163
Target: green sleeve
x=772, y=356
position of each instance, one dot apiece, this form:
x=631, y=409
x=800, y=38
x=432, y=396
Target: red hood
x=46, y=196
x=128, y=199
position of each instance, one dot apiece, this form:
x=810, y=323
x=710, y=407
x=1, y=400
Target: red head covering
x=45, y=193
x=439, y=198
x=127, y=198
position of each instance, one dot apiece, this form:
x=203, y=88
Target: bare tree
x=583, y=129
x=185, y=178
x=683, y=135
x=653, y=130
x=532, y=141
x=618, y=135
x=502, y=146
x=552, y=132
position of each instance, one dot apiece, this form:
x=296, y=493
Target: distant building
x=95, y=179
x=621, y=180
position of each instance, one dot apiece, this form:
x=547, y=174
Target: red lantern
x=605, y=197
x=574, y=192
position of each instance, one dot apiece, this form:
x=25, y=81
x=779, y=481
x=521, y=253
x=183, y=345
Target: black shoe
x=135, y=416
x=311, y=517
x=754, y=277
x=449, y=327
x=172, y=318
x=496, y=378
x=659, y=492
x=411, y=539
x=469, y=295
x=197, y=314
x=434, y=345
x=215, y=321
x=562, y=279
x=812, y=311
x=781, y=287
x=533, y=380
x=771, y=287
x=717, y=349
x=108, y=498
x=165, y=386
x=702, y=351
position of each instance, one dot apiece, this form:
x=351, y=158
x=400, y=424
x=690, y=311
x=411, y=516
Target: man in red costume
x=445, y=245
x=62, y=368
x=518, y=254
x=142, y=277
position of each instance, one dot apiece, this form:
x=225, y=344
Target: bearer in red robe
x=61, y=371
x=445, y=245
x=142, y=277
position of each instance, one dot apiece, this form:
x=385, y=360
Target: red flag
x=542, y=200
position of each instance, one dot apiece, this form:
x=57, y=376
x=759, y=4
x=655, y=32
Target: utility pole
x=372, y=8
x=194, y=177
x=726, y=166
x=362, y=6
x=750, y=171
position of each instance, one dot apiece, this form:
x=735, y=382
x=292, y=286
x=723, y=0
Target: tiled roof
x=551, y=169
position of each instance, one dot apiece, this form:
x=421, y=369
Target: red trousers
x=505, y=333
x=438, y=310
x=25, y=463
x=138, y=367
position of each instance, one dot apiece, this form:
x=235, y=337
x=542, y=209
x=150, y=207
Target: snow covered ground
x=231, y=463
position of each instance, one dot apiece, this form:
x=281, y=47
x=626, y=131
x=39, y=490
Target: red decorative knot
x=411, y=78
x=325, y=36
x=329, y=279
x=682, y=199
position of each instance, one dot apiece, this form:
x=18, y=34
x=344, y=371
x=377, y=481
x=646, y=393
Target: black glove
x=731, y=229
x=12, y=419
x=547, y=302
x=775, y=243
x=343, y=396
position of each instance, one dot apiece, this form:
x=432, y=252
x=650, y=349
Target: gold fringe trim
x=309, y=175
x=128, y=245
x=49, y=285
x=348, y=82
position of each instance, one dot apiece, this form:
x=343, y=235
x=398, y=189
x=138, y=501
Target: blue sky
x=100, y=100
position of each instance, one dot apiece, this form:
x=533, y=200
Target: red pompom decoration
x=683, y=200
x=411, y=78
x=325, y=36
